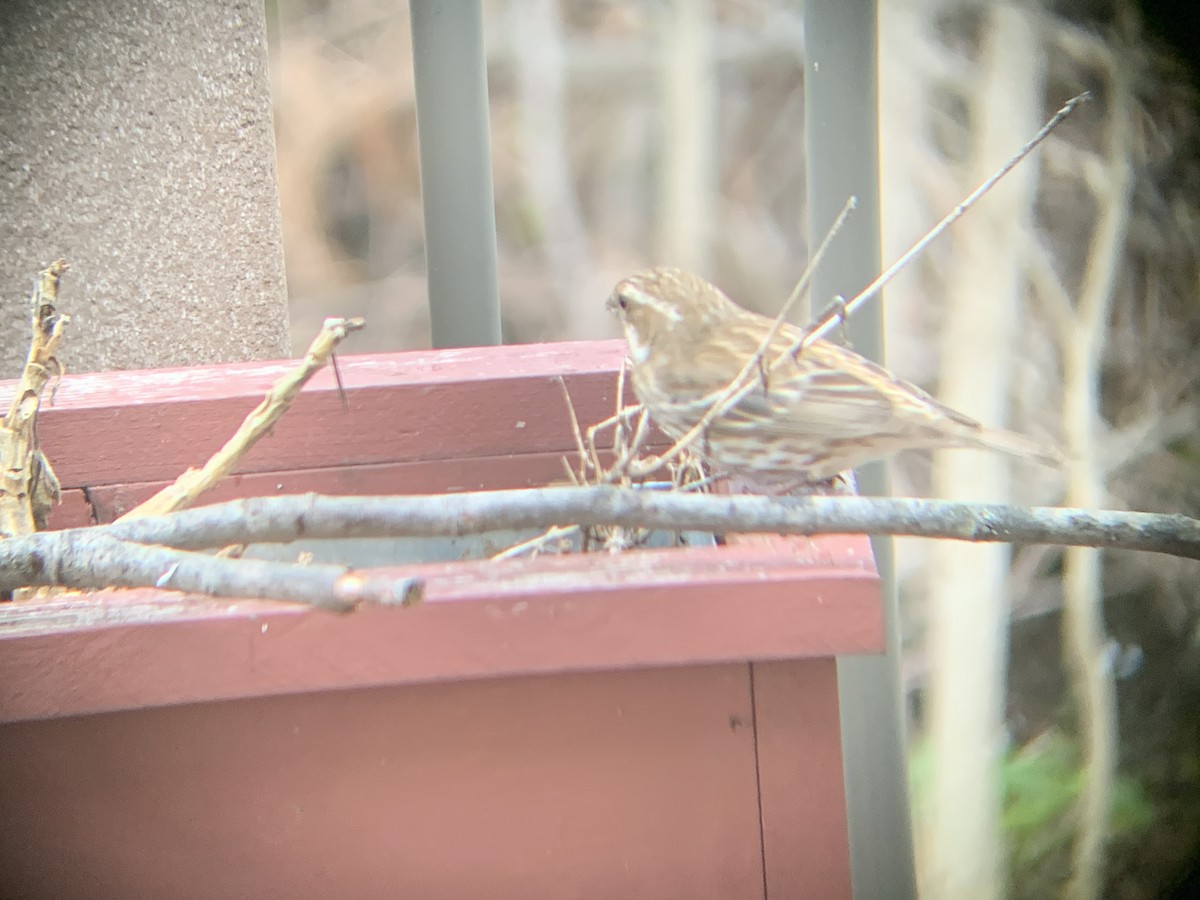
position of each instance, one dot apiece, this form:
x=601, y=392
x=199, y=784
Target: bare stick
x=829, y=319
x=194, y=482
x=28, y=487
x=576, y=433
x=616, y=420
x=1084, y=638
x=806, y=277
x=276, y=519
x=91, y=558
x=589, y=461
x=536, y=543
x=624, y=451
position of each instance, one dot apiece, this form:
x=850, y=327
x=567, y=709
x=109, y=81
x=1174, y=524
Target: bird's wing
x=823, y=404
x=834, y=392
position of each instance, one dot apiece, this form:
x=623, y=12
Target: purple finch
x=806, y=416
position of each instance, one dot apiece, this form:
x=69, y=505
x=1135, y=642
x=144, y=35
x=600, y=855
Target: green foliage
x=1040, y=785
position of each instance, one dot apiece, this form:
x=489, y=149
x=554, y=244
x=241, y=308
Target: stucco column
x=136, y=141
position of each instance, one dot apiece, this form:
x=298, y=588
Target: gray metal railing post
x=450, y=69
x=841, y=124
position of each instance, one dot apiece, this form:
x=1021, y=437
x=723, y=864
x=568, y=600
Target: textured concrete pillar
x=136, y=141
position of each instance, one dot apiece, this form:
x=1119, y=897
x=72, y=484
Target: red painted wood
x=145, y=426
x=74, y=511
x=607, y=785
x=806, y=848
x=448, y=476
x=126, y=649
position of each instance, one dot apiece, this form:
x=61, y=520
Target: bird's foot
x=840, y=485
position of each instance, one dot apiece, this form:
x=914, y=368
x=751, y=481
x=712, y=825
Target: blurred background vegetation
x=588, y=123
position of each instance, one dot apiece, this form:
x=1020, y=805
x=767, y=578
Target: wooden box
x=660, y=723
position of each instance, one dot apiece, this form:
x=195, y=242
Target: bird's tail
x=1018, y=445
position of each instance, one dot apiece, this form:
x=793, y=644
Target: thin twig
x=830, y=319
x=623, y=452
x=538, y=542
x=575, y=432
x=194, y=482
x=806, y=276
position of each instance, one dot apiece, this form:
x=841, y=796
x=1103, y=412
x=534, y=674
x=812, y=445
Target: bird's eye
x=622, y=301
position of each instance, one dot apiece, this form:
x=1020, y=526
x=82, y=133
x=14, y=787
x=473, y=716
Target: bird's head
x=663, y=304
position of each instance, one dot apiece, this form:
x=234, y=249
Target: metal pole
x=450, y=70
x=841, y=125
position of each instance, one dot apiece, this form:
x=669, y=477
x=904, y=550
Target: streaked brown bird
x=825, y=410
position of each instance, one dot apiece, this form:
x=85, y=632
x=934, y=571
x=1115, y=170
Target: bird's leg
x=842, y=484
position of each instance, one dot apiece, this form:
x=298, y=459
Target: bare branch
x=1084, y=637
x=578, y=435
x=830, y=319
x=189, y=486
x=556, y=534
x=1052, y=295
x=28, y=487
x=92, y=558
x=283, y=519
